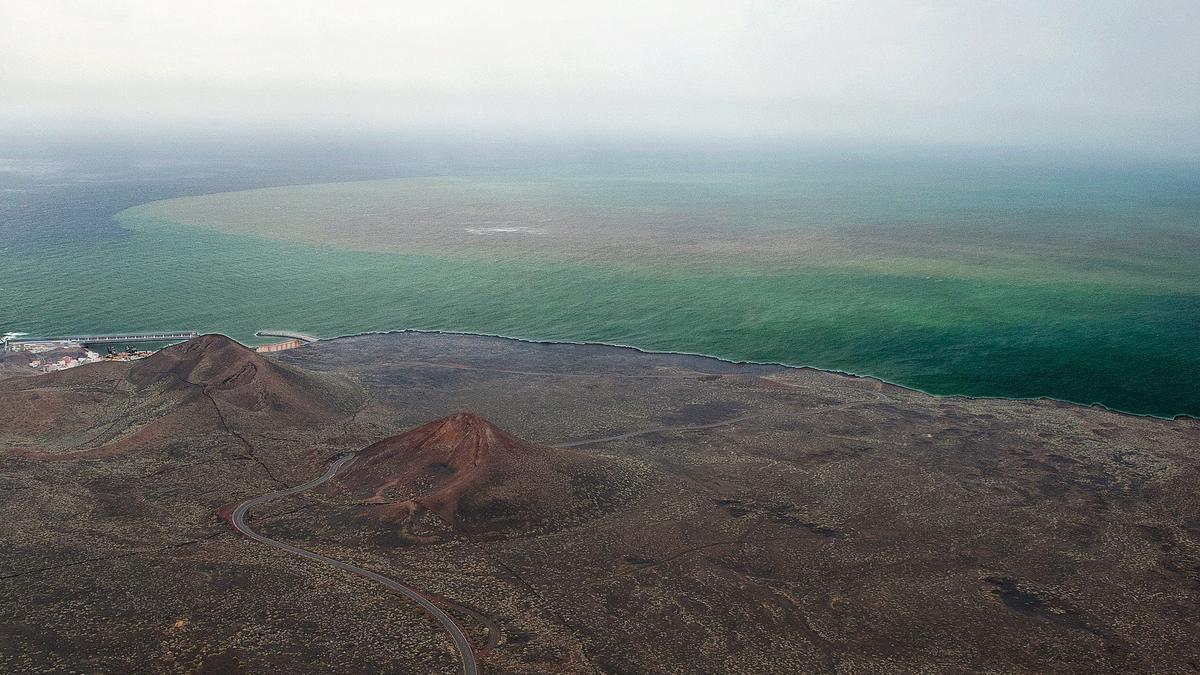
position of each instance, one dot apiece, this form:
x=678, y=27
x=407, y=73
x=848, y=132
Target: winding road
x=238, y=518
x=466, y=652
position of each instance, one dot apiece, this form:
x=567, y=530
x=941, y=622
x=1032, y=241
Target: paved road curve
x=465, y=653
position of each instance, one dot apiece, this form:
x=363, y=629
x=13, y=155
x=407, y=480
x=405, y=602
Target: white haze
x=1109, y=76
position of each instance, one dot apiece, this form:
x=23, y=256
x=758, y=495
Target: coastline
x=263, y=345
x=831, y=371
x=901, y=329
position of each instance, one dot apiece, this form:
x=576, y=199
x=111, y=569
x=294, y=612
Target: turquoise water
x=1084, y=288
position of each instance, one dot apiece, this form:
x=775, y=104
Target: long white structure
x=177, y=336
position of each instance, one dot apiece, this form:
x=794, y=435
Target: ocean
x=956, y=275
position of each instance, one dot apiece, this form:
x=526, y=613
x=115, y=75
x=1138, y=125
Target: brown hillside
x=60, y=403
x=208, y=385
x=463, y=472
x=239, y=377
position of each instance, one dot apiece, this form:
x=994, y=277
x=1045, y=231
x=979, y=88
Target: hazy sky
x=1101, y=74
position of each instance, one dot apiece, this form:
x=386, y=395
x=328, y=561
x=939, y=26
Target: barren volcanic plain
x=581, y=508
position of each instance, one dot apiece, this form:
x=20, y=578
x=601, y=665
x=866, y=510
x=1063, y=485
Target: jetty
x=291, y=334
x=23, y=342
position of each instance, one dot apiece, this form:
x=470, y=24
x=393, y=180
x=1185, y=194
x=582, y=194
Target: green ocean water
x=1022, y=283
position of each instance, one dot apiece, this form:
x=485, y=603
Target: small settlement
x=59, y=353
x=51, y=356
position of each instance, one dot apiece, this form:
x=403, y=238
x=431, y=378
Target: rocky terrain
x=463, y=475
x=582, y=509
